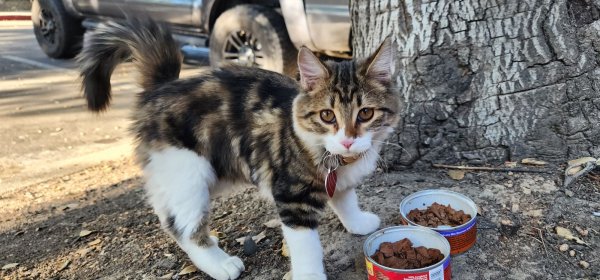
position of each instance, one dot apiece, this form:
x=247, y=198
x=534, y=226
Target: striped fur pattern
x=246, y=126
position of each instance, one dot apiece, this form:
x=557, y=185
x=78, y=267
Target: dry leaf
x=479, y=210
x=259, y=237
x=284, y=249
x=64, y=265
x=566, y=234
x=240, y=240
x=166, y=276
x=9, y=266
x=287, y=276
x=95, y=242
x=70, y=206
x=188, y=269
x=456, y=174
x=84, y=251
x=273, y=223
x=532, y=161
x=217, y=234
x=256, y=238
x=29, y=195
x=85, y=233
x=580, y=161
x=574, y=170
x=510, y=163
x=534, y=213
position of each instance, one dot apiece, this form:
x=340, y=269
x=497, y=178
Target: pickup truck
x=255, y=33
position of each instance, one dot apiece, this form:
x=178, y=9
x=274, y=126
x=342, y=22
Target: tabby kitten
x=237, y=125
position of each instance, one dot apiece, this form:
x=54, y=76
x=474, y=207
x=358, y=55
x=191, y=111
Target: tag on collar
x=348, y=160
x=330, y=182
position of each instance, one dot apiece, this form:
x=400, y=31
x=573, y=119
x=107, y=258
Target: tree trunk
x=489, y=80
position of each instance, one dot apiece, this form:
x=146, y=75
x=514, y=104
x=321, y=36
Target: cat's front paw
x=233, y=266
x=228, y=269
x=363, y=223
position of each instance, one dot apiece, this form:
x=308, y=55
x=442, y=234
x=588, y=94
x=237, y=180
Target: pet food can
x=461, y=238
x=419, y=236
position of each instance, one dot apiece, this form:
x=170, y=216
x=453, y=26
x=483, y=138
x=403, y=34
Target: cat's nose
x=347, y=143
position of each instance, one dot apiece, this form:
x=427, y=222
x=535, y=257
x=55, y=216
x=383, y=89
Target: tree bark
x=489, y=80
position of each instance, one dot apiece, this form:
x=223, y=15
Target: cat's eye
x=365, y=114
x=328, y=116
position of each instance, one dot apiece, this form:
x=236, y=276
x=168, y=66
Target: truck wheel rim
x=47, y=26
x=243, y=49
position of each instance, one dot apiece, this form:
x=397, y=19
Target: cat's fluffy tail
x=154, y=51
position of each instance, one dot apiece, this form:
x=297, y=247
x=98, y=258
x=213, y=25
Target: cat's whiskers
x=379, y=159
x=395, y=145
x=381, y=162
x=321, y=164
x=322, y=159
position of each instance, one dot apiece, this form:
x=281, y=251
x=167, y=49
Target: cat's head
x=346, y=107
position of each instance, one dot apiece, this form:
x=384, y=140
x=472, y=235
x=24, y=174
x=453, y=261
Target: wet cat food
x=451, y=214
x=407, y=252
x=437, y=215
x=402, y=255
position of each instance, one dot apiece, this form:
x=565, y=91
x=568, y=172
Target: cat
x=305, y=143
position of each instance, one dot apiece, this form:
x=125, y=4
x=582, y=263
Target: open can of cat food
x=461, y=237
x=418, y=236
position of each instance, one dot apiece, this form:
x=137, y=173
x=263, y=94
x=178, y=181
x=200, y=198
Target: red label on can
x=440, y=272
x=461, y=240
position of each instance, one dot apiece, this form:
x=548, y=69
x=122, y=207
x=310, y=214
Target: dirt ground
x=40, y=227
x=15, y=5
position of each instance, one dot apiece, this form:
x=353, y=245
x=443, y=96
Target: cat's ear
x=311, y=70
x=381, y=62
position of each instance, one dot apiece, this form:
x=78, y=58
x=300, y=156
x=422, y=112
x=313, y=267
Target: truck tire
x=252, y=35
x=59, y=34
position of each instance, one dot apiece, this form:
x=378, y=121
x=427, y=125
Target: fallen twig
x=532, y=234
x=594, y=176
x=491, y=169
x=561, y=254
x=543, y=243
x=535, y=238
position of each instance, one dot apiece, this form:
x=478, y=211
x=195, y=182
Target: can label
x=440, y=272
x=463, y=239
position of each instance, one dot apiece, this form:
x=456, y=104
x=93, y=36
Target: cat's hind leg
x=178, y=182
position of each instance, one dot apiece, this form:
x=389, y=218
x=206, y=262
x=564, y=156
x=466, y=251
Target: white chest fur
x=348, y=176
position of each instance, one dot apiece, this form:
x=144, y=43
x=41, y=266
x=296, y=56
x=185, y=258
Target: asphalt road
x=45, y=128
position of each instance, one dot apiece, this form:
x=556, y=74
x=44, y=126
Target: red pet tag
x=330, y=182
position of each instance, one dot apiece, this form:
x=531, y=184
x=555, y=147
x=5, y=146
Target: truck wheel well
x=223, y=5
